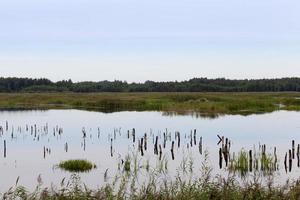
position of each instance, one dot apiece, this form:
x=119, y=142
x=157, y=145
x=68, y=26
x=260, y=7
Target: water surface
x=25, y=154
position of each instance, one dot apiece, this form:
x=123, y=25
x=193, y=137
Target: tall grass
x=204, y=186
x=205, y=103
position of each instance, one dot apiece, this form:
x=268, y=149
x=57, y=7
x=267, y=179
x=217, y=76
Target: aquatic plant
x=76, y=165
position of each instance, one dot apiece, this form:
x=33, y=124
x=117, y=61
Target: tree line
x=192, y=85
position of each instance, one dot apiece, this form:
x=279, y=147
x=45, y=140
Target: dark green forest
x=192, y=85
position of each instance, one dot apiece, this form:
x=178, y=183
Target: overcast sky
x=138, y=40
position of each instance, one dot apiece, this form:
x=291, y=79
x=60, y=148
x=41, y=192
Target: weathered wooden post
x=172, y=150
x=165, y=140
x=275, y=161
x=160, y=152
x=156, y=146
x=178, y=137
x=111, y=147
x=195, y=133
x=142, y=148
x=191, y=139
x=145, y=141
x=290, y=160
x=220, y=158
x=133, y=135
x=285, y=162
x=44, y=152
x=250, y=160
x=293, y=149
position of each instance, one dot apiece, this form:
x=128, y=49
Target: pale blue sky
x=138, y=40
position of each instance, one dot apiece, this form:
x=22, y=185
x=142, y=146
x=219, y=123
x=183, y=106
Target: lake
x=107, y=144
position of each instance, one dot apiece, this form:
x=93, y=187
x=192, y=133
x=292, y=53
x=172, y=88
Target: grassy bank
x=206, y=103
x=186, y=185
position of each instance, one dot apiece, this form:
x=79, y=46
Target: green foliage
x=192, y=85
x=204, y=104
x=76, y=165
x=205, y=187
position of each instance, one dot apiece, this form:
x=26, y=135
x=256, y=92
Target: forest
x=12, y=85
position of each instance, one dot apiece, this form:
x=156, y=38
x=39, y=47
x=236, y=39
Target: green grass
x=208, y=104
x=76, y=165
x=203, y=186
x=263, y=163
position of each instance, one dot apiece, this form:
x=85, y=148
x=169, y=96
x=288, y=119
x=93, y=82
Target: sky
x=139, y=40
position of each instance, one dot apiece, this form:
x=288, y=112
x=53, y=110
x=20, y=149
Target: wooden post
x=133, y=135
x=172, y=150
x=285, y=162
x=293, y=149
x=145, y=141
x=220, y=158
x=142, y=148
x=195, y=133
x=178, y=137
x=275, y=155
x=111, y=147
x=44, y=152
x=290, y=160
x=191, y=139
x=250, y=160
x=160, y=152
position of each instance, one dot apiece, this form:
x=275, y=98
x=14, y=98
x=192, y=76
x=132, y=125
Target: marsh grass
x=76, y=165
x=208, y=104
x=204, y=186
x=264, y=163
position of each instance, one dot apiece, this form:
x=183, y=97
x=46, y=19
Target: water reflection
x=33, y=142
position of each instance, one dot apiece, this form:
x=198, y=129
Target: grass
x=208, y=104
x=76, y=165
x=185, y=186
x=264, y=163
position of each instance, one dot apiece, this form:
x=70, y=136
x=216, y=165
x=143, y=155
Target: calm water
x=25, y=151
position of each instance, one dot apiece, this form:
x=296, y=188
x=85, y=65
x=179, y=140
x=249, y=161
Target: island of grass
x=76, y=165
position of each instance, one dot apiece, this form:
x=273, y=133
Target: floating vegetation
x=76, y=165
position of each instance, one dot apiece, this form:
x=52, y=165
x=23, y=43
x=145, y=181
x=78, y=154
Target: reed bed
x=208, y=104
